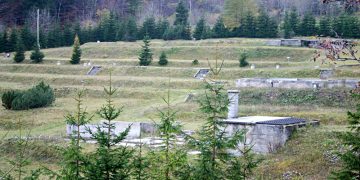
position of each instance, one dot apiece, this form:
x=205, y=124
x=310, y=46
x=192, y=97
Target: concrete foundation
x=136, y=129
x=265, y=138
x=296, y=83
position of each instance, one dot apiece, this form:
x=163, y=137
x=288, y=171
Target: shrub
x=195, y=62
x=242, y=60
x=37, y=56
x=41, y=95
x=163, y=59
x=8, y=97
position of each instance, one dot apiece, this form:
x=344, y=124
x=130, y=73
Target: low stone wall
x=296, y=83
x=136, y=129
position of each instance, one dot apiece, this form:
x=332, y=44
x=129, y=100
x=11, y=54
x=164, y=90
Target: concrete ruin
x=294, y=42
x=201, y=73
x=94, y=70
x=295, y=83
x=135, y=131
x=266, y=134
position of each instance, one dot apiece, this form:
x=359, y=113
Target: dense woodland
x=116, y=20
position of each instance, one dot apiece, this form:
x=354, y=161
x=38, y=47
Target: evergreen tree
x=170, y=34
x=182, y=27
x=3, y=42
x=200, y=29
x=145, y=57
x=131, y=30
x=163, y=59
x=37, y=56
x=242, y=60
x=294, y=21
x=325, y=27
x=219, y=30
x=288, y=33
x=249, y=26
x=133, y=6
x=351, y=156
x=20, y=51
x=42, y=39
x=76, y=56
x=212, y=141
x=161, y=27
x=73, y=163
x=54, y=37
x=262, y=23
x=110, y=28
x=235, y=11
x=13, y=40
x=121, y=30
x=27, y=37
x=109, y=161
x=170, y=162
x=308, y=25
x=182, y=14
x=148, y=28
x=68, y=35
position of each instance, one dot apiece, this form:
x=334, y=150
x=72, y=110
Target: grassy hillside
x=141, y=88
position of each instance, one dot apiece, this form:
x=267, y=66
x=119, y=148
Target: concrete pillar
x=233, y=104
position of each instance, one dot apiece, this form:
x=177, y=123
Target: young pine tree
x=109, y=161
x=288, y=33
x=73, y=163
x=37, y=56
x=351, y=139
x=170, y=161
x=145, y=57
x=76, y=56
x=242, y=60
x=325, y=28
x=163, y=59
x=20, y=51
x=294, y=21
x=212, y=141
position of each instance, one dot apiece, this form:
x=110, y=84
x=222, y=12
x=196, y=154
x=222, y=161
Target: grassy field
x=141, y=89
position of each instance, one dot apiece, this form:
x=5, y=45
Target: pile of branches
x=337, y=50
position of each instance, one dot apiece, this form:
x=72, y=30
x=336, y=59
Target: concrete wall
x=264, y=138
x=296, y=83
x=135, y=130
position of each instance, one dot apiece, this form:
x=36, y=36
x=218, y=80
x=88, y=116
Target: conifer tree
x=219, y=30
x=37, y=56
x=68, y=35
x=110, y=28
x=145, y=57
x=200, y=29
x=288, y=33
x=308, y=25
x=13, y=40
x=76, y=56
x=163, y=59
x=27, y=37
x=325, y=27
x=351, y=156
x=131, y=30
x=294, y=21
x=249, y=26
x=182, y=14
x=109, y=161
x=212, y=141
x=20, y=51
x=148, y=28
x=73, y=163
x=3, y=41
x=161, y=27
x=170, y=162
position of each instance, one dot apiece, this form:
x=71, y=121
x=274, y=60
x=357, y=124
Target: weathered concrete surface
x=233, y=107
x=296, y=83
x=136, y=129
x=264, y=138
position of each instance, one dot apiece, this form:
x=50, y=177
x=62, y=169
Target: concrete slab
x=252, y=119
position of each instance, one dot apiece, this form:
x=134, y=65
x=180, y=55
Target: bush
x=242, y=60
x=163, y=59
x=37, y=56
x=41, y=95
x=195, y=62
x=8, y=97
